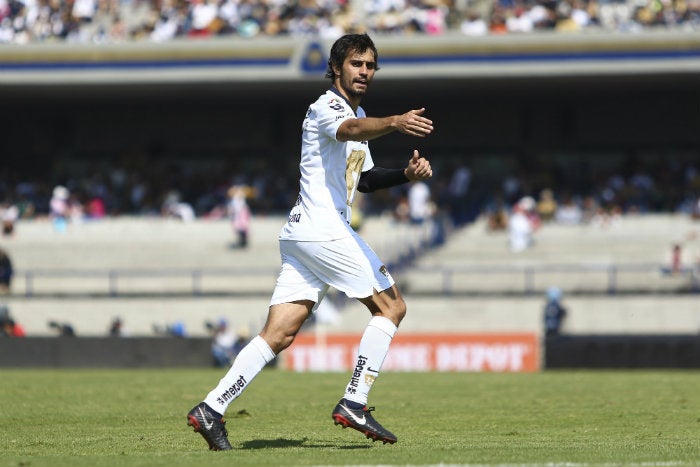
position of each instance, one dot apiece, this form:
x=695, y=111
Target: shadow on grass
x=296, y=443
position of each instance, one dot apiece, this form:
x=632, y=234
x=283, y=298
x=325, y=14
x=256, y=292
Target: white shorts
x=309, y=268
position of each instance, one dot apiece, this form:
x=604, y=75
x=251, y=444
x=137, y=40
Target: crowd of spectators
x=114, y=21
x=160, y=188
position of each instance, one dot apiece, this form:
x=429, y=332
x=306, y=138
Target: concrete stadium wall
x=654, y=314
x=85, y=352
x=566, y=351
x=622, y=351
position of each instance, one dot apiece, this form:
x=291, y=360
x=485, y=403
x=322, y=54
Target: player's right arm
x=367, y=128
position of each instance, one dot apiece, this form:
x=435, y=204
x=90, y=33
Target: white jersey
x=330, y=171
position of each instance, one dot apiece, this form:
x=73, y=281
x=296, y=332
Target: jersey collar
x=335, y=90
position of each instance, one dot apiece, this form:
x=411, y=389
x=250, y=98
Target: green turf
x=137, y=418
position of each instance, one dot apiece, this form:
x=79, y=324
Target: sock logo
x=369, y=379
x=233, y=391
x=355, y=380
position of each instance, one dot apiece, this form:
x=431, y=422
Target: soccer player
x=319, y=248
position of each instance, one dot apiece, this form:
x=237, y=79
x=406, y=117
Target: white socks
x=371, y=354
x=246, y=366
x=372, y=351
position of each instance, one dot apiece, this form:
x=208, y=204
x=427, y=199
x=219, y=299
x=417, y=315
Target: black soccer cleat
x=211, y=426
x=362, y=421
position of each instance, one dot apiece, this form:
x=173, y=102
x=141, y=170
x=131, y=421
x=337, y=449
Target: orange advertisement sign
x=420, y=352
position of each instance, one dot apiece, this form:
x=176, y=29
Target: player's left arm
x=376, y=178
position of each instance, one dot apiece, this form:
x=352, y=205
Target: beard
x=350, y=90
x=355, y=93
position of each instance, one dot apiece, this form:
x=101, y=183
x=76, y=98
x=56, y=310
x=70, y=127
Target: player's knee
x=397, y=311
x=278, y=341
x=402, y=311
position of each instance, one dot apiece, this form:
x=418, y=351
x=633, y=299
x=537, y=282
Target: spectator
x=174, y=207
x=681, y=257
x=177, y=329
x=547, y=205
x=458, y=189
x=420, y=208
x=96, y=208
x=676, y=259
x=8, y=326
x=522, y=225
x=225, y=343
x=88, y=21
x=401, y=210
x=239, y=214
x=223, y=340
x=695, y=213
x=13, y=329
x=474, y=25
x=116, y=328
x=554, y=312
x=60, y=208
x=63, y=329
x=497, y=218
x=9, y=213
x=6, y=273
x=569, y=213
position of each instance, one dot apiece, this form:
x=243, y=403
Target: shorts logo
x=384, y=270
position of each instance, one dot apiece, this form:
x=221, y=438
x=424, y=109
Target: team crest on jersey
x=335, y=104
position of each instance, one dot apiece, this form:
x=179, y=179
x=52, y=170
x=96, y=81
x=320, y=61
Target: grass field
x=563, y=418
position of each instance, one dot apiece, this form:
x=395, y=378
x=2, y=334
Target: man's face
x=357, y=72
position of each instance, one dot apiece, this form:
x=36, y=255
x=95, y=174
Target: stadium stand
x=151, y=270
x=156, y=257
x=90, y=21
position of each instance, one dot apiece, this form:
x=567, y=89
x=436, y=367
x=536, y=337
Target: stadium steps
x=583, y=258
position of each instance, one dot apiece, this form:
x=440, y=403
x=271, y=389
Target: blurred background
x=150, y=152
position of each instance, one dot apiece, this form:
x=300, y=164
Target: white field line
x=549, y=464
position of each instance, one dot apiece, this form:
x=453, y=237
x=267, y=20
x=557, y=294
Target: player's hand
x=414, y=124
x=418, y=168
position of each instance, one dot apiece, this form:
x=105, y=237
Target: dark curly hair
x=359, y=43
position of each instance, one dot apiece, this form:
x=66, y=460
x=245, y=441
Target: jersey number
x=352, y=172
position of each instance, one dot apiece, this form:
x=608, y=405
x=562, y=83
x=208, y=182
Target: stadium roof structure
x=285, y=60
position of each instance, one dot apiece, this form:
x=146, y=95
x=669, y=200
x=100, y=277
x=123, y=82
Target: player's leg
x=351, y=266
x=388, y=309
x=296, y=292
x=283, y=322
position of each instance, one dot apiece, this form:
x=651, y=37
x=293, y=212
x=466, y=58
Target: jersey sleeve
x=331, y=111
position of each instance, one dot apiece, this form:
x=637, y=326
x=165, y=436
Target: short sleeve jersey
x=330, y=171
